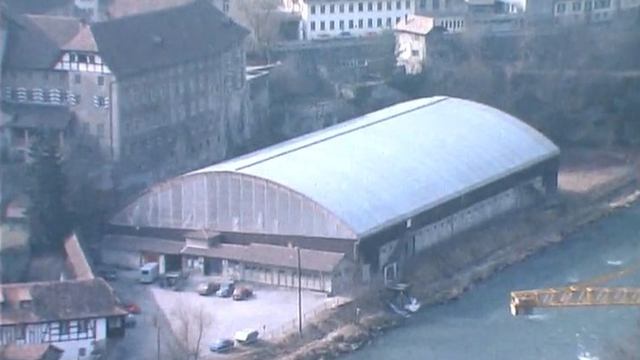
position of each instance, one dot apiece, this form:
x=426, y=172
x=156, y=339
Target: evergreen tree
x=47, y=213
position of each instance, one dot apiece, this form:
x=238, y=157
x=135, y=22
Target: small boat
x=413, y=305
x=399, y=311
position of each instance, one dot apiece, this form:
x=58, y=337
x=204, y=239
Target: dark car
x=242, y=293
x=226, y=289
x=221, y=346
x=108, y=274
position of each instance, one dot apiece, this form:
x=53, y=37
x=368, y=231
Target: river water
x=479, y=326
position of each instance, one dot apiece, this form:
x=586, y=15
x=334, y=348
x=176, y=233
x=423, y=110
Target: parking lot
x=181, y=314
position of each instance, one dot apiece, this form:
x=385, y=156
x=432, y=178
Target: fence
x=309, y=316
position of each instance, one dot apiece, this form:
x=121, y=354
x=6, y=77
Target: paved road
x=479, y=326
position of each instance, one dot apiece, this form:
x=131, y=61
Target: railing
x=310, y=316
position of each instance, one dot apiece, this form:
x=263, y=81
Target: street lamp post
x=299, y=291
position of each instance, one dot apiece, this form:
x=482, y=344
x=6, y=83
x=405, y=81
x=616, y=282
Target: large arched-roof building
x=377, y=177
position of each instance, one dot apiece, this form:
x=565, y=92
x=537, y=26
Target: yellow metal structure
x=581, y=294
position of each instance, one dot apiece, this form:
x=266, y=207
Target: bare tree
x=263, y=18
x=190, y=325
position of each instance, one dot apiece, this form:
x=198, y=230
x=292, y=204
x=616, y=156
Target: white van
x=149, y=273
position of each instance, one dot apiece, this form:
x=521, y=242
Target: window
x=360, y=7
x=351, y=7
x=100, y=80
x=322, y=9
x=313, y=9
x=341, y=24
x=577, y=6
x=225, y=6
x=602, y=4
x=332, y=8
x=350, y=24
x=99, y=101
x=369, y=23
x=388, y=5
x=415, y=53
x=64, y=325
x=77, y=78
x=321, y=25
x=370, y=6
x=332, y=25
x=397, y=19
x=82, y=352
x=313, y=26
x=360, y=23
x=341, y=7
x=398, y=5
x=379, y=5
x=423, y=4
x=83, y=325
x=561, y=8
x=379, y=23
x=407, y=4
x=388, y=22
x=588, y=5
x=21, y=332
x=436, y=5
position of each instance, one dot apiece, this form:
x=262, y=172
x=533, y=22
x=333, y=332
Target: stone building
x=170, y=98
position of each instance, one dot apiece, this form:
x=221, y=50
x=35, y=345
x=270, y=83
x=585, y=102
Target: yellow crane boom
x=523, y=302
x=581, y=294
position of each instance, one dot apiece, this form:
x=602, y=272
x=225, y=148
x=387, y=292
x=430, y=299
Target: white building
x=38, y=313
x=323, y=19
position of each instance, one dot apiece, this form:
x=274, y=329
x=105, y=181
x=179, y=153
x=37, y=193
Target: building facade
x=358, y=189
x=27, y=316
x=75, y=315
x=167, y=100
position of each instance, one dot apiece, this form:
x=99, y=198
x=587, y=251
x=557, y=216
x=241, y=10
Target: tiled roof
x=83, y=41
x=271, y=255
x=166, y=37
x=55, y=301
x=39, y=7
x=30, y=352
x=139, y=243
x=415, y=24
x=76, y=259
x=35, y=41
x=120, y=8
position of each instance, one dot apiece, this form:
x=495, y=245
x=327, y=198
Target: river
x=479, y=326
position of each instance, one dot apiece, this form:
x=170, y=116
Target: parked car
x=226, y=289
x=108, y=274
x=242, y=293
x=207, y=288
x=132, y=308
x=221, y=346
x=246, y=337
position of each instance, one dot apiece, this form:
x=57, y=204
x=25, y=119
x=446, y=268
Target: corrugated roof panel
x=385, y=166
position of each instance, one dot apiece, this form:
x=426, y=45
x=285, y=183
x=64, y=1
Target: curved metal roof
x=389, y=165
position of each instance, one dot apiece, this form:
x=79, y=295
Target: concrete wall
x=330, y=283
x=121, y=258
x=423, y=238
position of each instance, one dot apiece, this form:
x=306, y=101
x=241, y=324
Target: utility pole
x=157, y=325
x=299, y=292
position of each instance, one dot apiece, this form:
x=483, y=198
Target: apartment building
x=168, y=99
x=327, y=19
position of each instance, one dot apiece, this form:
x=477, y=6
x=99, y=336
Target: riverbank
x=592, y=186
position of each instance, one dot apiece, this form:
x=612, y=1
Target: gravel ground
x=270, y=311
